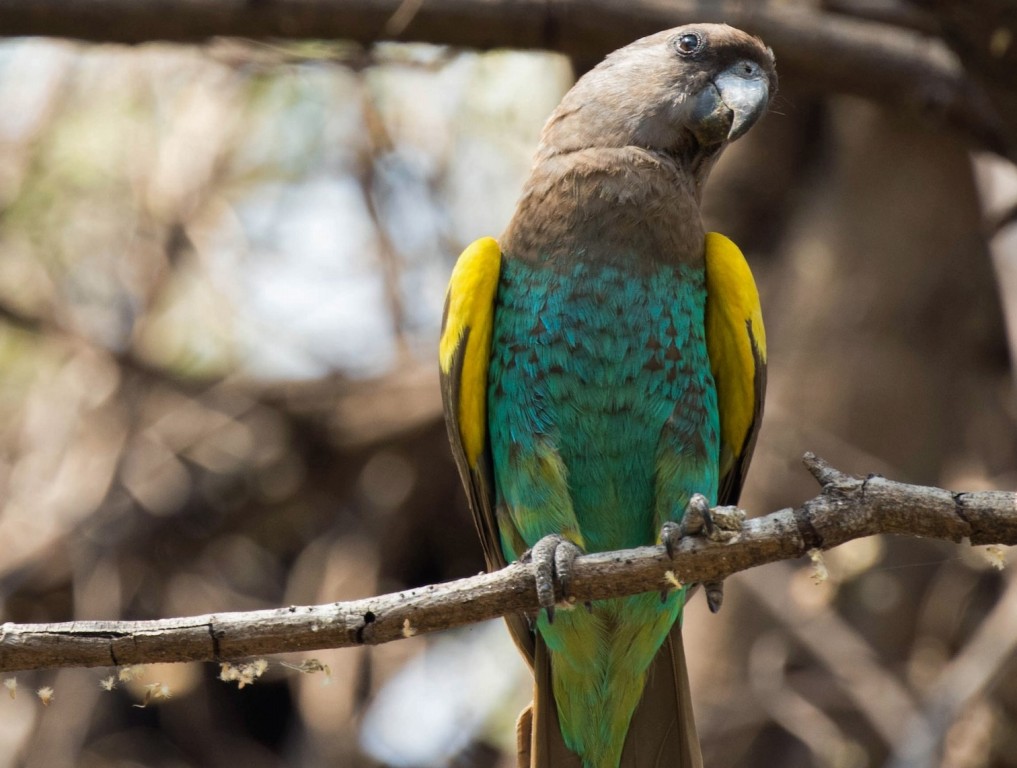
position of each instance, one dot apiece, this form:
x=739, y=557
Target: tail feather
x=662, y=733
x=547, y=748
x=663, y=729
x=524, y=737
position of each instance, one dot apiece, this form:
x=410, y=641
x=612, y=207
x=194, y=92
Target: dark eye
x=688, y=43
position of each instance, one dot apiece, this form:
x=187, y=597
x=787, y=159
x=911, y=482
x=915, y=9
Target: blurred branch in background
x=221, y=274
x=885, y=62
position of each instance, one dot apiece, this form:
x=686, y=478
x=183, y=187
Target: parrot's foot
x=552, y=559
x=721, y=524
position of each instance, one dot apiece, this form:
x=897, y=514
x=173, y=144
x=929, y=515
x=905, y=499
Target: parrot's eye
x=688, y=43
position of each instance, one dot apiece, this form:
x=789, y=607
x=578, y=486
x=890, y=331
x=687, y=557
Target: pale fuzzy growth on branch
x=154, y=692
x=242, y=674
x=126, y=674
x=819, y=570
x=996, y=556
x=311, y=666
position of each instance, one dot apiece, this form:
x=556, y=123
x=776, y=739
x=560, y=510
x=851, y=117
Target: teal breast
x=597, y=362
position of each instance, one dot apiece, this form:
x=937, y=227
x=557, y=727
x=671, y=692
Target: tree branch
x=899, y=68
x=848, y=508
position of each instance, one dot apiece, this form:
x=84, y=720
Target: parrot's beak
x=730, y=104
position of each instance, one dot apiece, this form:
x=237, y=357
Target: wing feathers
x=736, y=341
x=464, y=354
x=466, y=340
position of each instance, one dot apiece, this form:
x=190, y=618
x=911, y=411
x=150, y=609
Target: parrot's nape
x=603, y=365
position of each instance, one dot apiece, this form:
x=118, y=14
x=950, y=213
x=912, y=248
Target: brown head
x=683, y=92
x=623, y=159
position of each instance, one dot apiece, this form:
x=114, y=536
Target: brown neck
x=624, y=206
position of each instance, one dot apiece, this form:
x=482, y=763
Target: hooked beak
x=730, y=104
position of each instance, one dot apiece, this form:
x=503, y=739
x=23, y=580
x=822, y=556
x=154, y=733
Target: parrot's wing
x=464, y=355
x=736, y=342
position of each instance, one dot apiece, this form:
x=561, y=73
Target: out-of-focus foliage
x=221, y=276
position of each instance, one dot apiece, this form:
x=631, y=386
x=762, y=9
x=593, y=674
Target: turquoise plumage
x=586, y=364
x=585, y=369
x=603, y=364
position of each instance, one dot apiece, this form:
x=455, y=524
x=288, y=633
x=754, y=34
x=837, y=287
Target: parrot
x=602, y=368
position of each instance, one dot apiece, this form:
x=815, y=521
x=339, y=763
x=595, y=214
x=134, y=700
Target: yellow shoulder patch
x=734, y=322
x=469, y=318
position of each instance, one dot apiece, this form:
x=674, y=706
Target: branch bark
x=899, y=68
x=848, y=508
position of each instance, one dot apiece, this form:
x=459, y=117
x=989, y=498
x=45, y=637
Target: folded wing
x=736, y=342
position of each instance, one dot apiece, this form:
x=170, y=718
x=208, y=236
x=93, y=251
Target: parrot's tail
x=662, y=733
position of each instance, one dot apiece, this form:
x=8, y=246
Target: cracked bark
x=847, y=508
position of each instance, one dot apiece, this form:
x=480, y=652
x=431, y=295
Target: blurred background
x=222, y=267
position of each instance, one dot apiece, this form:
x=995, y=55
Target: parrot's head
x=685, y=92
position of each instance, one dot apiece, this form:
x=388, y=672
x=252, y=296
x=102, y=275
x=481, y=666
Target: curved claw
x=552, y=559
x=714, y=594
x=670, y=535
